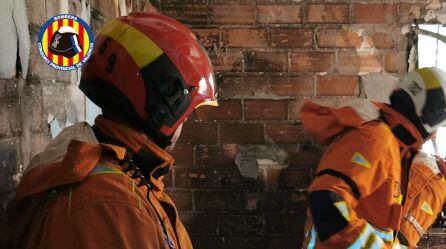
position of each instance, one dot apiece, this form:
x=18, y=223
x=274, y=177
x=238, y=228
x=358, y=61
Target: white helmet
x=427, y=89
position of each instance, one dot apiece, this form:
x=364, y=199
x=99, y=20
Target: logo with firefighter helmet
x=65, y=42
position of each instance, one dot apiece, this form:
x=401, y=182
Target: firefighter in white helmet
x=369, y=191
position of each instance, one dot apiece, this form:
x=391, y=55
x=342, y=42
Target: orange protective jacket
x=77, y=196
x=381, y=198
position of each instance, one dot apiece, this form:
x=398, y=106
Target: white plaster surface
x=15, y=38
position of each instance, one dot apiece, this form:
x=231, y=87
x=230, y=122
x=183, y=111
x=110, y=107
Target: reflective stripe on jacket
x=363, y=166
x=85, y=200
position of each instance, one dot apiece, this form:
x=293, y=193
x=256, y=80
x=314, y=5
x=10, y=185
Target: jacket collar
x=136, y=142
x=409, y=138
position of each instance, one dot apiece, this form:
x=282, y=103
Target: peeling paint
x=379, y=86
x=15, y=37
x=437, y=14
x=251, y=159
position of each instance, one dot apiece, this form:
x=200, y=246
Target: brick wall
x=271, y=56
x=242, y=169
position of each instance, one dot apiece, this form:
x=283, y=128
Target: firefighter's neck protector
x=141, y=149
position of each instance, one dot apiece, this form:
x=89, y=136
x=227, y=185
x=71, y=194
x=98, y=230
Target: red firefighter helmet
x=150, y=70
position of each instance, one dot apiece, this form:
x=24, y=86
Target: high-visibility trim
x=367, y=240
x=360, y=160
x=427, y=208
x=313, y=238
x=139, y=46
x=103, y=169
x=399, y=199
x=397, y=245
x=415, y=223
x=431, y=80
x=387, y=236
x=343, y=209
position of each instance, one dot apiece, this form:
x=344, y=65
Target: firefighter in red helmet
x=102, y=186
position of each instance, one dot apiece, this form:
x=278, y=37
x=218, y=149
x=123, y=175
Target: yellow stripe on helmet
x=430, y=79
x=138, y=45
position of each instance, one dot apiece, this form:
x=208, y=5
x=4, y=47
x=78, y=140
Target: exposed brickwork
x=269, y=57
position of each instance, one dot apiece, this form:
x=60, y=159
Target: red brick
x=312, y=61
x=341, y=38
x=204, y=177
x=391, y=62
x=183, y=154
x=266, y=109
x=286, y=133
x=246, y=38
x=267, y=87
x=216, y=154
x=241, y=224
x=182, y=199
x=337, y=85
x=295, y=86
x=375, y=13
x=352, y=62
x=242, y=133
x=295, y=178
x=199, y=223
x=383, y=40
x=187, y=13
x=233, y=14
x=285, y=223
x=306, y=155
x=199, y=133
x=279, y=13
x=168, y=179
x=228, y=60
x=284, y=241
x=241, y=87
x=219, y=201
x=226, y=110
x=266, y=62
x=328, y=13
x=265, y=201
x=291, y=38
x=294, y=109
x=208, y=37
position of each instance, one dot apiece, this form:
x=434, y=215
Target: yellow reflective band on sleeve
x=415, y=223
x=399, y=199
x=138, y=45
x=342, y=207
x=431, y=80
x=368, y=240
x=387, y=236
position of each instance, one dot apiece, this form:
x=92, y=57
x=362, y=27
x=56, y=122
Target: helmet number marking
x=415, y=88
x=111, y=63
x=104, y=45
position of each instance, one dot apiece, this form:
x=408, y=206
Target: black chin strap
x=143, y=160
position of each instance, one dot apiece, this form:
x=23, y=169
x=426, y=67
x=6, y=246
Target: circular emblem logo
x=65, y=42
